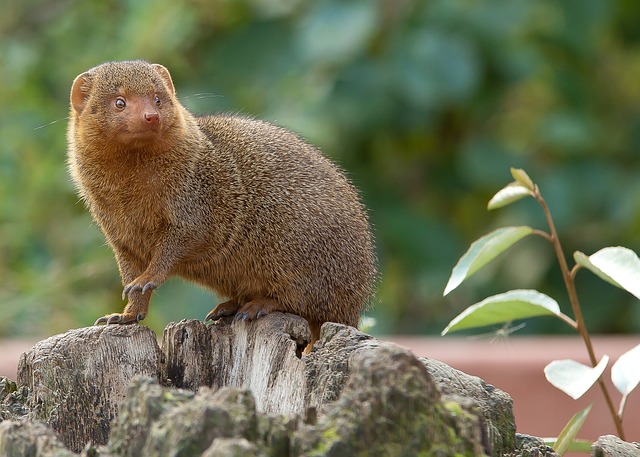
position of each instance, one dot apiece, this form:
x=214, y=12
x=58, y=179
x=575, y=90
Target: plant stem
x=542, y=234
x=575, y=306
x=570, y=322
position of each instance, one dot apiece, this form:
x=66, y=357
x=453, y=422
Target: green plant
x=616, y=265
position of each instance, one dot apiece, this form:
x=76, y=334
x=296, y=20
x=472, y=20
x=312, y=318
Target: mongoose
x=238, y=205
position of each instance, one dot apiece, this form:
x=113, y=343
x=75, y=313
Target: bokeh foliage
x=426, y=104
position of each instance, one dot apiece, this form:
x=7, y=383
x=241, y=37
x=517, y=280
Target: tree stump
x=351, y=385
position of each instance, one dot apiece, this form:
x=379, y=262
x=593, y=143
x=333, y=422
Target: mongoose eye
x=156, y=100
x=120, y=103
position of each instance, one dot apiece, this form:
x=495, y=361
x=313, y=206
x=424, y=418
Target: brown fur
x=238, y=205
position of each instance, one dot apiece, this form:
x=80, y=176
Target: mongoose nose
x=152, y=118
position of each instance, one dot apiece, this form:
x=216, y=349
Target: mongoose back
x=235, y=204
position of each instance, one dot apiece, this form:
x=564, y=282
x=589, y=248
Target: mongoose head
x=131, y=104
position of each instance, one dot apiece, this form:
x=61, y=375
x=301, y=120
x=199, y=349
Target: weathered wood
x=263, y=356
x=78, y=379
x=498, y=428
x=352, y=395
x=12, y=400
x=332, y=367
x=612, y=446
x=390, y=405
x=531, y=446
x=33, y=439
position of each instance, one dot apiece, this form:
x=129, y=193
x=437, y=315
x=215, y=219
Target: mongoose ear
x=80, y=91
x=166, y=77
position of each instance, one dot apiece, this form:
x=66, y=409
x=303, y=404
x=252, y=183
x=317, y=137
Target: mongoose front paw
x=118, y=318
x=139, y=287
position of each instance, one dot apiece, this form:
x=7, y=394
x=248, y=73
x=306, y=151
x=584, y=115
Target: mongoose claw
x=216, y=314
x=228, y=308
x=118, y=318
x=241, y=316
x=137, y=287
x=115, y=319
x=255, y=309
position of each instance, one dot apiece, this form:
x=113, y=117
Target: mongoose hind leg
x=314, y=326
x=228, y=308
x=258, y=308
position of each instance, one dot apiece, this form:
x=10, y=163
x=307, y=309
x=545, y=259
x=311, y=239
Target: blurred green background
x=426, y=104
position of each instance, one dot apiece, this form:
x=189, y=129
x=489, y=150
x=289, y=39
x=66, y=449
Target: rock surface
x=251, y=392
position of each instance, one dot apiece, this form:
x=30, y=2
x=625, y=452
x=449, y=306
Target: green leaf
x=574, y=378
x=617, y=265
x=507, y=195
x=575, y=446
x=522, y=178
x=625, y=373
x=335, y=31
x=567, y=439
x=483, y=251
x=583, y=260
x=506, y=307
